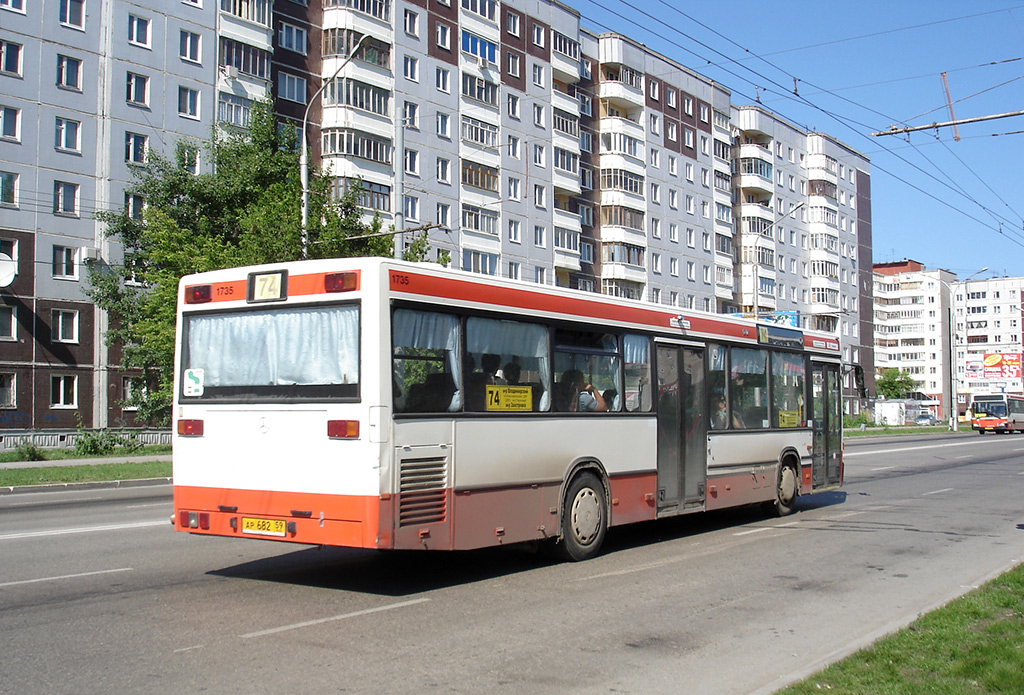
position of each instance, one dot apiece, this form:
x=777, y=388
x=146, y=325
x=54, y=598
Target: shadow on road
x=401, y=573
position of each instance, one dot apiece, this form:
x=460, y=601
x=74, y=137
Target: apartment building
x=989, y=336
x=802, y=203
x=913, y=332
x=531, y=147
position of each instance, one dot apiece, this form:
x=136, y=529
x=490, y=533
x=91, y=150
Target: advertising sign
x=1002, y=365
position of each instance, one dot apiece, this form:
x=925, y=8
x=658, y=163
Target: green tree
x=894, y=384
x=247, y=211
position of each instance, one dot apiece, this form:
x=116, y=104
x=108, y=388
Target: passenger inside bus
x=575, y=394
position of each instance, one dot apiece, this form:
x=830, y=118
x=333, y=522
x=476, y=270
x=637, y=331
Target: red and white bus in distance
x=371, y=403
x=997, y=412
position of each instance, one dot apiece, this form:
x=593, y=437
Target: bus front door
x=826, y=461
x=682, y=429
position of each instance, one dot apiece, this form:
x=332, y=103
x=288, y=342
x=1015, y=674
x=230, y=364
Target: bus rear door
x=826, y=466
x=682, y=429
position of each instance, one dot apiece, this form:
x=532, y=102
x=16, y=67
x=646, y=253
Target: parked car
x=926, y=420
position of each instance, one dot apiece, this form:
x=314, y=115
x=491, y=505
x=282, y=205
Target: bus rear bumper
x=311, y=519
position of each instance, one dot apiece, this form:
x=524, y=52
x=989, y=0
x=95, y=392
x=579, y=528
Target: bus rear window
x=278, y=353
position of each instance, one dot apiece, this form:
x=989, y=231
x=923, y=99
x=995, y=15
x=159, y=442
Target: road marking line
x=188, y=649
x=320, y=621
x=82, y=529
x=152, y=504
x=883, y=468
x=67, y=576
x=847, y=515
x=935, y=492
x=848, y=454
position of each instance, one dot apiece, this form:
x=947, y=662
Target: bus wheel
x=786, y=492
x=585, y=519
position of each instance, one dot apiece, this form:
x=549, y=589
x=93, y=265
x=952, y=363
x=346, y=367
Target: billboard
x=1001, y=365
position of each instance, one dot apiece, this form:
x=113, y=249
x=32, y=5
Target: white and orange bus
x=371, y=403
x=997, y=412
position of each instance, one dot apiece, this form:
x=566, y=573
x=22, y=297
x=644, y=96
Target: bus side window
x=511, y=354
x=425, y=350
x=636, y=359
x=748, y=392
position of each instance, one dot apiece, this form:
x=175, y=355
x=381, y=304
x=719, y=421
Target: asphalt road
x=97, y=594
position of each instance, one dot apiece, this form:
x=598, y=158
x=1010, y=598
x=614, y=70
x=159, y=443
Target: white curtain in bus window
x=788, y=381
x=636, y=353
x=280, y=347
x=426, y=362
x=748, y=393
x=506, y=353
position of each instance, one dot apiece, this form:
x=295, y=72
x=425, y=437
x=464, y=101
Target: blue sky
x=861, y=67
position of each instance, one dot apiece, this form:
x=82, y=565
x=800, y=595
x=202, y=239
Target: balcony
x=621, y=94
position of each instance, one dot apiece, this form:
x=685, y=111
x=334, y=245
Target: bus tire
x=787, y=489
x=584, y=518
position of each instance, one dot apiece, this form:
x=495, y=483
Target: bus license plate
x=263, y=527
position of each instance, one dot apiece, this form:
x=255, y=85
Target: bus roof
x=457, y=288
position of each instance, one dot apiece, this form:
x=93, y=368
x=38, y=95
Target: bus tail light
x=194, y=520
x=198, y=294
x=343, y=429
x=190, y=428
x=341, y=282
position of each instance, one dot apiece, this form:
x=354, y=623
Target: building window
x=444, y=215
x=291, y=87
x=65, y=198
x=412, y=23
x=512, y=21
x=444, y=37
x=512, y=65
x=411, y=69
x=259, y=10
x=411, y=115
x=444, y=167
x=67, y=135
x=8, y=397
x=7, y=323
x=292, y=38
x=138, y=31
x=444, y=125
x=134, y=205
x=63, y=391
x=412, y=162
x=540, y=196
x=72, y=13
x=513, y=106
x=233, y=110
x=514, y=231
x=586, y=252
x=189, y=46
x=540, y=275
x=10, y=58
x=539, y=236
x=538, y=75
x=412, y=207
x=69, y=72
x=16, y=5
x=247, y=59
x=443, y=80
x=538, y=36
x=135, y=146
x=10, y=123
x=513, y=270
x=8, y=189
x=64, y=262
x=64, y=326
x=188, y=102
x=137, y=90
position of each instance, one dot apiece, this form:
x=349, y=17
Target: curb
x=63, y=487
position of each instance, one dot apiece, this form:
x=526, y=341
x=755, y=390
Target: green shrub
x=27, y=451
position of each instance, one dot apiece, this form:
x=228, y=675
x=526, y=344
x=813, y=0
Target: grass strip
x=975, y=644
x=129, y=470
x=60, y=454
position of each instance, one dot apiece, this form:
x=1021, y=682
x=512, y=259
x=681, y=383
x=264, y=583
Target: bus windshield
x=283, y=352
x=989, y=409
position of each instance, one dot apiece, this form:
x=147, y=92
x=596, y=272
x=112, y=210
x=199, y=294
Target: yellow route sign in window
x=509, y=398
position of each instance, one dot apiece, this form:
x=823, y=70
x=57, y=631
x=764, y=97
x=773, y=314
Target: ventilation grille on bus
x=422, y=487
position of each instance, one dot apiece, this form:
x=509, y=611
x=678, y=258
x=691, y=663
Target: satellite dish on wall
x=8, y=270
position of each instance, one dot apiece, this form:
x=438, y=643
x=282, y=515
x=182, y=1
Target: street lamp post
x=303, y=152
x=954, y=409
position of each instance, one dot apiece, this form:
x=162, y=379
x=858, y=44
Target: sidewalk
x=85, y=462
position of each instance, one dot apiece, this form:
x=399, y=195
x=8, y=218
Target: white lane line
x=848, y=454
x=883, y=468
x=936, y=492
x=67, y=576
x=766, y=528
x=962, y=457
x=188, y=649
x=320, y=621
x=1018, y=449
x=82, y=529
x=151, y=504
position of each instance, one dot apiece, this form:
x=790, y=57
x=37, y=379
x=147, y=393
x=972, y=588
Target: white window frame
x=63, y=401
x=64, y=326
x=65, y=198
x=292, y=38
x=67, y=10
x=136, y=147
x=190, y=46
x=291, y=87
x=64, y=258
x=138, y=30
x=10, y=124
x=65, y=78
x=67, y=137
x=189, y=99
x=136, y=89
x=442, y=80
x=9, y=189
